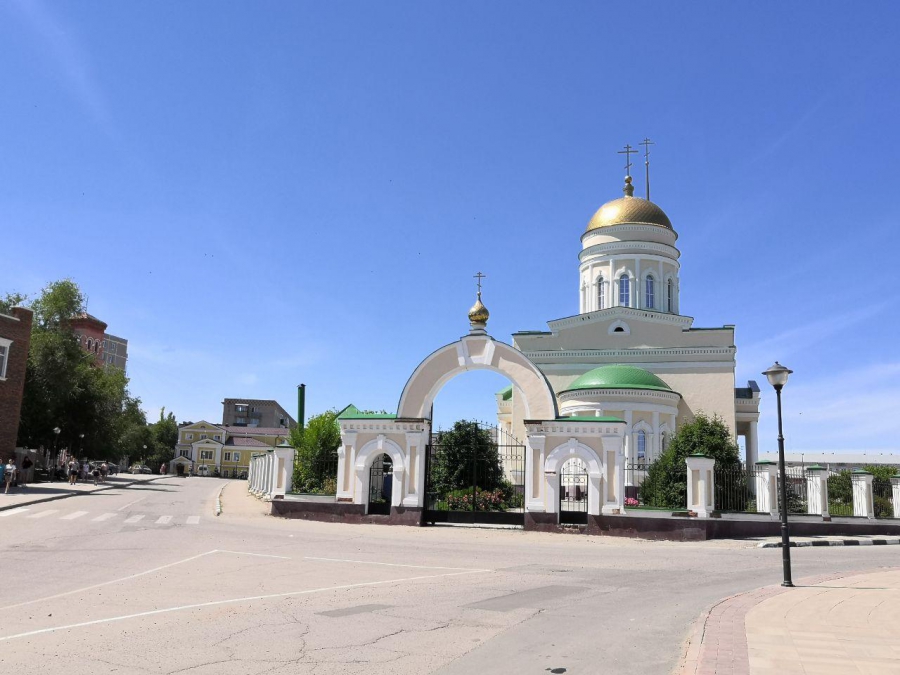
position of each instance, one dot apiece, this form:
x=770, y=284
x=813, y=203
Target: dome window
x=600, y=304
x=624, y=291
x=641, y=444
x=649, y=292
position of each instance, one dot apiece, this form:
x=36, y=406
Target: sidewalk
x=842, y=624
x=35, y=493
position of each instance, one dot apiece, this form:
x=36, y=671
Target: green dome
x=619, y=377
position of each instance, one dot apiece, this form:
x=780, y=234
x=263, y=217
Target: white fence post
x=895, y=494
x=700, y=484
x=863, y=506
x=817, y=490
x=766, y=485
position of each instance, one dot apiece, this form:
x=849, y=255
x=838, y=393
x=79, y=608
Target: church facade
x=593, y=400
x=630, y=353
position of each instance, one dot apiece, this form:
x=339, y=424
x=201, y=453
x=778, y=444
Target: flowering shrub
x=631, y=501
x=485, y=500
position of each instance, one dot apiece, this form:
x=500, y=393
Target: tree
x=666, y=482
x=468, y=456
x=315, y=459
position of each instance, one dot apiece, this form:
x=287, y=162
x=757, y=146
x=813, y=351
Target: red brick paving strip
x=718, y=642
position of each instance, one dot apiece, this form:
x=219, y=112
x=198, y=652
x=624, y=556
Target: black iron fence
x=735, y=489
x=635, y=475
x=315, y=476
x=883, y=497
x=795, y=485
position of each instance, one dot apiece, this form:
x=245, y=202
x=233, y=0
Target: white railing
x=270, y=473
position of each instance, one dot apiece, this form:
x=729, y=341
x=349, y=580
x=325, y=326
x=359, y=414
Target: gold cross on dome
x=628, y=152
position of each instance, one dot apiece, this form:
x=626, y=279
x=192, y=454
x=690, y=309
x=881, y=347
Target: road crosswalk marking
x=103, y=517
x=44, y=514
x=73, y=516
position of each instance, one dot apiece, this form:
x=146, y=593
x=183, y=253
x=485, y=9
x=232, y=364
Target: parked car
x=140, y=468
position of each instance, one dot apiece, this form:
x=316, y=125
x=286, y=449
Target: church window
x=641, y=444
x=600, y=293
x=649, y=292
x=624, y=291
x=670, y=296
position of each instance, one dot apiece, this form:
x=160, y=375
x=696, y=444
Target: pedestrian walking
x=85, y=470
x=162, y=469
x=26, y=467
x=96, y=474
x=9, y=473
x=73, y=471
x=104, y=471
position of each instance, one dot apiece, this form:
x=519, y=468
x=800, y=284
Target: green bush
x=666, y=482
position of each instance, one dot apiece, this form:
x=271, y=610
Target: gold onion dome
x=479, y=313
x=629, y=209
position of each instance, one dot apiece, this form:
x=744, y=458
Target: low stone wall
x=669, y=528
x=343, y=512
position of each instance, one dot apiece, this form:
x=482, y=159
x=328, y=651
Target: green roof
x=351, y=412
x=618, y=377
x=506, y=393
x=586, y=418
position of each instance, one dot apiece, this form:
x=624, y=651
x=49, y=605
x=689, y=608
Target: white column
x=700, y=484
x=534, y=473
x=345, y=466
x=614, y=467
x=766, y=488
x=863, y=506
x=629, y=437
x=638, y=301
x=895, y=493
x=283, y=459
x=817, y=490
x=752, y=444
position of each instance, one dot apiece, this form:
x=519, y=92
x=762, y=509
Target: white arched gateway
x=404, y=437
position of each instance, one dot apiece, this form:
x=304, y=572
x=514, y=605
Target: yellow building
x=207, y=449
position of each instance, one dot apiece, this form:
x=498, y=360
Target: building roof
x=257, y=431
x=244, y=442
x=506, y=394
x=351, y=412
x=619, y=377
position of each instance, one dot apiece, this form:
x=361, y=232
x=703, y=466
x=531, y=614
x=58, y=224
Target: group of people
x=14, y=476
x=84, y=471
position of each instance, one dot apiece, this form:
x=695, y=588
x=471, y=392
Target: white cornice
x=603, y=394
x=633, y=227
x=612, y=359
x=576, y=427
x=636, y=354
x=649, y=316
x=381, y=426
x=657, y=251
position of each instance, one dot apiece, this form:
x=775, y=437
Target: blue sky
x=261, y=194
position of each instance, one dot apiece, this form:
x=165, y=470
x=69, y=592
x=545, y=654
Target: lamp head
x=777, y=375
x=56, y=430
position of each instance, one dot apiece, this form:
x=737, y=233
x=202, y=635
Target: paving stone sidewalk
x=827, y=625
x=35, y=493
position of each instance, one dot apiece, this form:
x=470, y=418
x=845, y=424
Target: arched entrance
x=573, y=492
x=381, y=484
x=475, y=473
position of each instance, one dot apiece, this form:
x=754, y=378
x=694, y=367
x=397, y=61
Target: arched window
x=670, y=296
x=641, y=444
x=664, y=441
x=90, y=344
x=649, y=292
x=624, y=291
x=600, y=293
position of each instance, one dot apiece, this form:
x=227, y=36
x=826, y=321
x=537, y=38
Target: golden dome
x=629, y=209
x=479, y=313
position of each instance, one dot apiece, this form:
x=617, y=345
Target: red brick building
x=15, y=336
x=90, y=332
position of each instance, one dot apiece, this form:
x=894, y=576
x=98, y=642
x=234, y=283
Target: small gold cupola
x=479, y=314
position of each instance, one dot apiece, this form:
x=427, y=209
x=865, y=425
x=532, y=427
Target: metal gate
x=381, y=482
x=573, y=493
x=474, y=473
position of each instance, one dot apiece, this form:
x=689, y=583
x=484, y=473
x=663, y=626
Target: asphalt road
x=148, y=580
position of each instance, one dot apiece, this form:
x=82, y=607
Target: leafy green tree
x=315, y=459
x=468, y=455
x=666, y=482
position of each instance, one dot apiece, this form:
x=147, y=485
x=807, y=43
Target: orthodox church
x=630, y=353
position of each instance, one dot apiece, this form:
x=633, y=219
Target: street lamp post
x=778, y=377
x=56, y=431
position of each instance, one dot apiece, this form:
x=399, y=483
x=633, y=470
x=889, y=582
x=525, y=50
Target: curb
x=832, y=542
x=219, y=501
x=77, y=494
